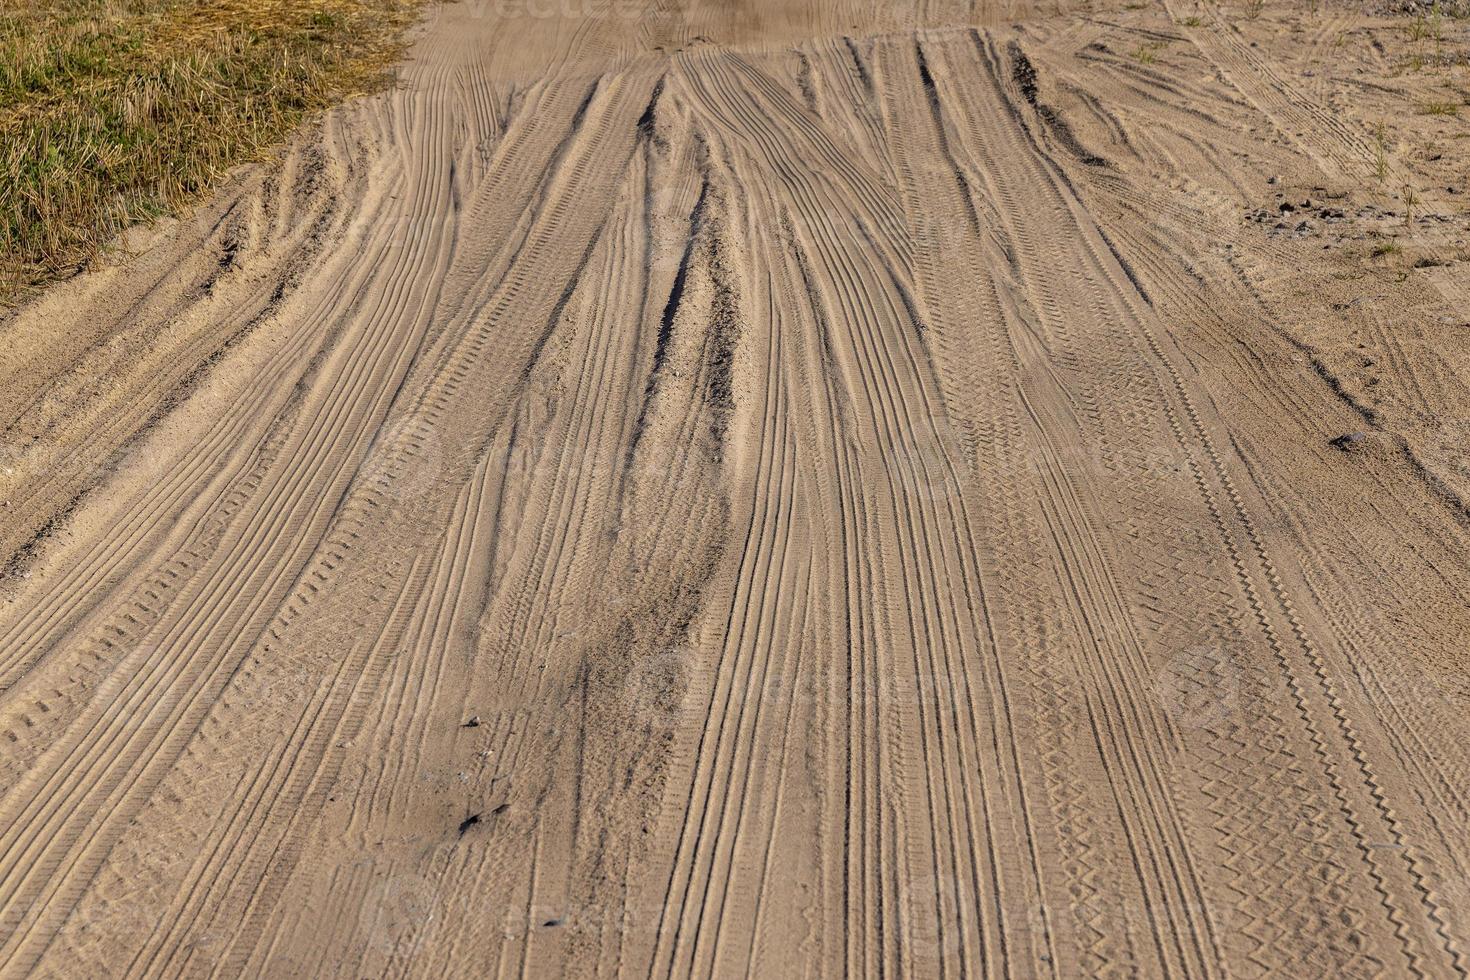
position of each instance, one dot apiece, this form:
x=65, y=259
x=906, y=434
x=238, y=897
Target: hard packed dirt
x=767, y=487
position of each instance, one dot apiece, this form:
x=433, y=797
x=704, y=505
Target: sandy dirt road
x=752, y=488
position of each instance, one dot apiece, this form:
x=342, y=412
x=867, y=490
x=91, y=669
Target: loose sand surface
x=766, y=487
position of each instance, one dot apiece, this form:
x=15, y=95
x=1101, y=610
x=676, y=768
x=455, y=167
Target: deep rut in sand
x=735, y=488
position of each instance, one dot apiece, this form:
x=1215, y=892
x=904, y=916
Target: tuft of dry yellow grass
x=116, y=111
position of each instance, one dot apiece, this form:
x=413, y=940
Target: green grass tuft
x=1147, y=53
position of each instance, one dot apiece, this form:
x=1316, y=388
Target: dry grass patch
x=1439, y=109
x=116, y=111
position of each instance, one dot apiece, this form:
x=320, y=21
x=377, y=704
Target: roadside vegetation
x=117, y=111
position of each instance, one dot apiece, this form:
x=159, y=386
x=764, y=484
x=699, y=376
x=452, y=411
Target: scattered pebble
x=1347, y=440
